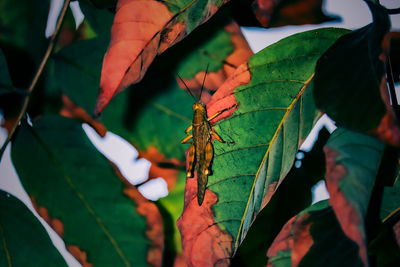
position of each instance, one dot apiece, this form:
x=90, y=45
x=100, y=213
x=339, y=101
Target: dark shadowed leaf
x=385, y=248
x=348, y=76
x=352, y=162
x=275, y=113
x=5, y=81
x=68, y=177
x=313, y=238
x=24, y=240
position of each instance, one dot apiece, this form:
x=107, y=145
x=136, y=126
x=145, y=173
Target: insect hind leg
x=192, y=153
x=208, y=158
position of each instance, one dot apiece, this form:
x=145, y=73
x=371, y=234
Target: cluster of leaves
x=257, y=207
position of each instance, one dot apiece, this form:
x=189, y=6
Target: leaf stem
x=37, y=75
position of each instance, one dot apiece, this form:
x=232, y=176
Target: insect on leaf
x=275, y=113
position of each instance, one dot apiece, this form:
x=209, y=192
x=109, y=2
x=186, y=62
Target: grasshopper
x=201, y=150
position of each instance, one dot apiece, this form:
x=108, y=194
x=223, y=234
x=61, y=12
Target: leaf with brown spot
x=296, y=187
x=352, y=162
x=23, y=238
x=137, y=36
x=275, y=113
x=79, y=188
x=307, y=236
x=154, y=222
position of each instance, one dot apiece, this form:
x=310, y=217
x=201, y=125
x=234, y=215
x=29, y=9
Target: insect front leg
x=188, y=129
x=186, y=139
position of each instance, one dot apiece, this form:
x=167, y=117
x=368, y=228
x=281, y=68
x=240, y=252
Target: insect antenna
x=202, y=86
x=188, y=90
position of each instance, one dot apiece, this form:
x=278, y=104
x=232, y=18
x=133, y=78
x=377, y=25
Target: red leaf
x=241, y=53
x=294, y=236
x=141, y=30
x=349, y=218
x=203, y=242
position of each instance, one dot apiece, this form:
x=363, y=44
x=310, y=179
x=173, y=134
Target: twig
x=393, y=11
x=37, y=75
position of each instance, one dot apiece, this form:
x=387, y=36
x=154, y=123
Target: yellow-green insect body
x=201, y=150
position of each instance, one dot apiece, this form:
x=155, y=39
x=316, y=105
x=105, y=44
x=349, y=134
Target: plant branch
x=393, y=11
x=37, y=75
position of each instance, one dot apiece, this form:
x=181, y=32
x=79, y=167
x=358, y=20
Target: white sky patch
x=122, y=154
x=311, y=138
x=319, y=192
x=54, y=12
x=154, y=189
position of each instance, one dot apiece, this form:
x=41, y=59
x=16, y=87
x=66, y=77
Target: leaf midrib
x=289, y=109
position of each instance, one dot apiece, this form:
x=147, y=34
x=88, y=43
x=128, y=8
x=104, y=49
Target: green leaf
x=275, y=114
x=348, y=76
x=309, y=235
x=99, y=20
x=24, y=240
x=352, y=165
x=77, y=69
x=62, y=170
x=173, y=204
